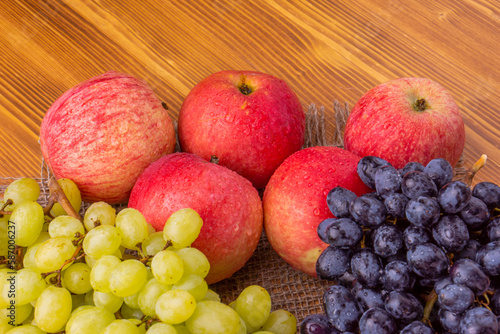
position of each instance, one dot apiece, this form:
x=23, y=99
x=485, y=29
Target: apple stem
x=420, y=105
x=214, y=159
x=474, y=169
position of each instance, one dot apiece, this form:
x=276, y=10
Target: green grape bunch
x=108, y=271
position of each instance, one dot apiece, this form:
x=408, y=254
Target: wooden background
x=325, y=50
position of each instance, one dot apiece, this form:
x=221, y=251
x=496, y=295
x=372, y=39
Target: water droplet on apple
x=316, y=212
x=331, y=170
x=326, y=191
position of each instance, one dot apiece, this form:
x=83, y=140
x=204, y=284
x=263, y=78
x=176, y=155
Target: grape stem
x=58, y=272
x=431, y=300
x=57, y=195
x=2, y=210
x=474, y=169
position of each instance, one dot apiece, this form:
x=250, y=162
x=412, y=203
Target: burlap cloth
x=290, y=289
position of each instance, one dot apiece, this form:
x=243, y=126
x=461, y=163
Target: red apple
x=103, y=133
x=407, y=119
x=295, y=201
x=251, y=121
x=229, y=205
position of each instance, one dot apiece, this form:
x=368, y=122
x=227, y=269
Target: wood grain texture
x=325, y=50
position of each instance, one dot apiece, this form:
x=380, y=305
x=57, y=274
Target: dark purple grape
x=368, y=211
x=333, y=262
x=417, y=327
x=469, y=251
x=338, y=200
x=415, y=235
x=428, y=261
x=410, y=167
x=495, y=302
x=341, y=308
x=387, y=181
x=395, y=205
x=397, y=276
x=470, y=274
x=344, y=232
x=368, y=297
x=367, y=167
x=418, y=184
x=451, y=233
x=404, y=306
x=478, y=320
x=322, y=227
x=453, y=197
x=441, y=283
x=317, y=324
x=475, y=214
x=488, y=258
x=423, y=211
x=493, y=229
x=366, y=267
x=387, y=240
x=440, y=171
x=456, y=298
x=449, y=320
x=377, y=321
x=489, y=193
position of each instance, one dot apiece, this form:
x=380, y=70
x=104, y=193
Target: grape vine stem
x=431, y=300
x=474, y=169
x=57, y=195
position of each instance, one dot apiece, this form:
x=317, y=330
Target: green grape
x=121, y=326
x=243, y=327
x=89, y=320
x=175, y=306
x=128, y=312
x=133, y=300
x=73, y=194
x=128, y=278
x=102, y=240
x=26, y=329
x=212, y=295
x=5, y=280
x=65, y=226
x=182, y=228
x=89, y=298
x=254, y=306
x=29, y=257
x=15, y=314
x=149, y=295
x=77, y=278
x=194, y=284
x=181, y=329
x=280, y=321
x=167, y=267
x=99, y=275
x=161, y=328
x=20, y=190
x=195, y=262
x=133, y=227
x=212, y=317
x=108, y=301
x=154, y=243
x=5, y=327
x=29, y=284
x=53, y=253
x=53, y=309
x=4, y=235
x=139, y=324
x=99, y=213
x=77, y=301
x=28, y=219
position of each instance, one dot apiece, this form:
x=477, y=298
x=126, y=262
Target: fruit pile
x=59, y=270
x=419, y=254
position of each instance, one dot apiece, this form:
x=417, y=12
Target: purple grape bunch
x=419, y=254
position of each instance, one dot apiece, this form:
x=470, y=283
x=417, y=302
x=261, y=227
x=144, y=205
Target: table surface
x=325, y=50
